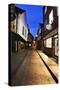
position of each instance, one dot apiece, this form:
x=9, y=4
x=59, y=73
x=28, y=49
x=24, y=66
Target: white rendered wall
x=51, y=17
x=21, y=24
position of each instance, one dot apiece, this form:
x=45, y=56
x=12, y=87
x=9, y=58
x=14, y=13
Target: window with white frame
x=23, y=31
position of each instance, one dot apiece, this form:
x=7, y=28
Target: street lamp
x=36, y=35
x=48, y=26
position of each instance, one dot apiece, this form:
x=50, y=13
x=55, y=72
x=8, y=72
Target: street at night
x=33, y=45
x=32, y=71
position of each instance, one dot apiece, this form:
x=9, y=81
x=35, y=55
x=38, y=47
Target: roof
x=19, y=10
x=13, y=10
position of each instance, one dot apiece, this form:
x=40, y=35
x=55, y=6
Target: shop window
x=56, y=46
x=49, y=43
x=29, y=44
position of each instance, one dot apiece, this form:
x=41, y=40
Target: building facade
x=47, y=35
x=50, y=32
x=18, y=30
x=30, y=39
x=39, y=37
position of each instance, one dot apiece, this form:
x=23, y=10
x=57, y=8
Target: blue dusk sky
x=34, y=15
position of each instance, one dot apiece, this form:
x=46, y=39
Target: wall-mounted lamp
x=48, y=26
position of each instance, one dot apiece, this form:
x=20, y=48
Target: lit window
x=49, y=43
x=56, y=46
x=29, y=45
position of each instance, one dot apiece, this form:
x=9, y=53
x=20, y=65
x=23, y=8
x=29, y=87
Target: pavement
x=33, y=71
x=54, y=67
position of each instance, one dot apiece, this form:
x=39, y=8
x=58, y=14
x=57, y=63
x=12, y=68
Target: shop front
x=50, y=45
x=56, y=47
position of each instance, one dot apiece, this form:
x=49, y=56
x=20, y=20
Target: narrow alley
x=33, y=45
x=32, y=71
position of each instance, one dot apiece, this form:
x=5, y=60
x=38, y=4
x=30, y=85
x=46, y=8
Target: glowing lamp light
x=36, y=35
x=48, y=26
